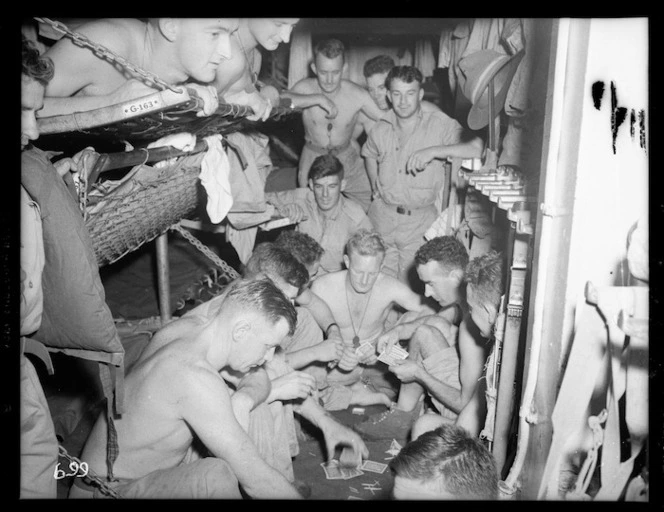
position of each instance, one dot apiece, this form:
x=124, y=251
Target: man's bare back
x=152, y=432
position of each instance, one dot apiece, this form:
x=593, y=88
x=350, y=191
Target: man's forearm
x=255, y=386
x=449, y=396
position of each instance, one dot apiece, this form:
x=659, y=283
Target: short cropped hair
x=34, y=66
x=324, y=166
x=485, y=275
x=446, y=250
x=365, y=243
x=264, y=297
x=407, y=74
x=302, y=246
x=270, y=260
x=330, y=48
x=378, y=64
x=449, y=454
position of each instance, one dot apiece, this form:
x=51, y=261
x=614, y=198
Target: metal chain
x=105, y=53
x=206, y=250
x=109, y=491
x=589, y=464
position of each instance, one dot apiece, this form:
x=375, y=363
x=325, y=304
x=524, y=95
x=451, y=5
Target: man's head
x=445, y=464
x=280, y=266
x=441, y=263
x=484, y=288
x=198, y=44
x=375, y=73
x=260, y=318
x=326, y=180
x=303, y=247
x=271, y=32
x=329, y=64
x=365, y=252
x=404, y=90
x=36, y=72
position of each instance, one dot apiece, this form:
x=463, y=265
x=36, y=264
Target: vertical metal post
x=492, y=118
x=163, y=278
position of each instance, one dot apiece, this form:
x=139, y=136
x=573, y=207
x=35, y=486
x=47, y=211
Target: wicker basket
x=144, y=204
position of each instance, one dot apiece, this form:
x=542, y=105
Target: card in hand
x=364, y=349
x=374, y=467
x=395, y=353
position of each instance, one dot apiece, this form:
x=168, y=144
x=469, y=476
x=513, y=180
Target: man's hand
x=336, y=434
x=406, y=370
x=387, y=340
x=77, y=163
x=208, y=94
x=369, y=357
x=293, y=211
x=349, y=359
x=291, y=386
x=269, y=92
x=419, y=160
x=331, y=349
x=328, y=106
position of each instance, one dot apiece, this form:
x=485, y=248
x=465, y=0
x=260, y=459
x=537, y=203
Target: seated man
x=437, y=364
x=331, y=107
x=305, y=249
x=237, y=77
x=322, y=212
x=175, y=395
x=360, y=299
x=314, y=315
x=173, y=49
x=484, y=290
x=445, y=464
x=299, y=349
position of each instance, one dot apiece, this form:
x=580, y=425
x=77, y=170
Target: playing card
x=348, y=473
x=332, y=470
x=364, y=349
x=374, y=467
x=395, y=353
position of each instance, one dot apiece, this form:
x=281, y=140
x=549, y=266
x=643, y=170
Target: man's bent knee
x=425, y=423
x=428, y=340
x=219, y=479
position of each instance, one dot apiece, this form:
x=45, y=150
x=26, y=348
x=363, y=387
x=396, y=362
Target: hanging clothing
x=424, y=59
x=301, y=55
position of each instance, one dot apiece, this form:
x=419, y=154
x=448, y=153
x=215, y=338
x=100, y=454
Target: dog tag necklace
x=356, y=338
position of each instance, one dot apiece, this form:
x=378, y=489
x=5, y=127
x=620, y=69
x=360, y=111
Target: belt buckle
x=402, y=210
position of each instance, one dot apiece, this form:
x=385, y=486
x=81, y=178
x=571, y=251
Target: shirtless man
x=331, y=106
x=173, y=49
x=446, y=368
x=237, y=77
x=175, y=394
x=360, y=299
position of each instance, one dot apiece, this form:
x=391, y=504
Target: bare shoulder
x=305, y=86
x=116, y=32
x=328, y=284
